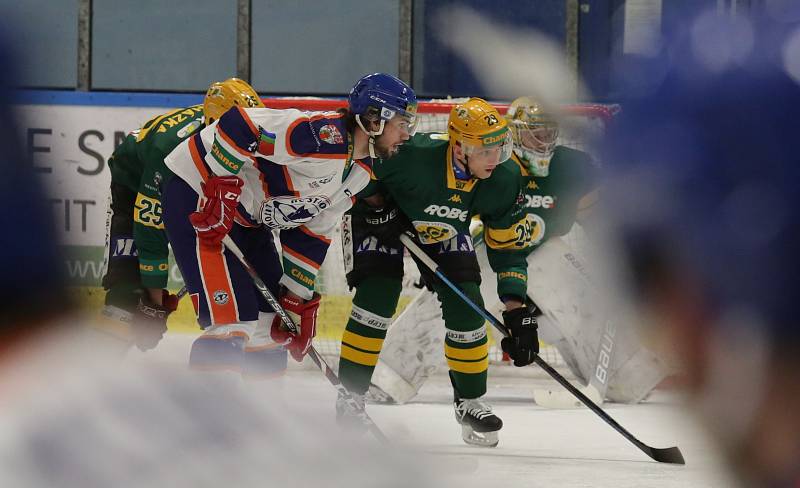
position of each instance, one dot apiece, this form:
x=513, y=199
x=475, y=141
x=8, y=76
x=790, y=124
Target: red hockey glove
x=150, y=320
x=304, y=315
x=215, y=220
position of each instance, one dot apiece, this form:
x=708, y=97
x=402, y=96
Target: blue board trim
x=108, y=99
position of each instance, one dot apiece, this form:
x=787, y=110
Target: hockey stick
x=663, y=455
x=312, y=352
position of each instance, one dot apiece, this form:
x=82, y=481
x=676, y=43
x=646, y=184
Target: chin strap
x=372, y=135
x=462, y=174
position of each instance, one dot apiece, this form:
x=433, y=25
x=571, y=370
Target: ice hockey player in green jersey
x=559, y=186
x=137, y=303
x=438, y=182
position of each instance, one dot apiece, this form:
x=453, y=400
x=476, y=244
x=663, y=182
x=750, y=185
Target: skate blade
x=481, y=439
x=375, y=394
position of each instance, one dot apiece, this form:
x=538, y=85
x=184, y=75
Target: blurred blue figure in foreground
x=707, y=175
x=31, y=282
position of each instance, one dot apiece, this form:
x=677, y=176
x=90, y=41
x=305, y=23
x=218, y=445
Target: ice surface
x=538, y=447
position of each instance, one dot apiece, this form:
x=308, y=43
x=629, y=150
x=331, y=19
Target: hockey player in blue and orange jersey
x=258, y=170
x=137, y=303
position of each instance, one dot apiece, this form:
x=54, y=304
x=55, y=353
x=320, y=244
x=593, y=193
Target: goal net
x=580, y=126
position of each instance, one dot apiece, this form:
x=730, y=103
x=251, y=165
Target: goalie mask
x=224, y=95
x=535, y=134
x=480, y=130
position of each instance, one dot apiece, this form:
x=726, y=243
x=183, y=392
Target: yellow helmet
x=224, y=95
x=475, y=125
x=535, y=133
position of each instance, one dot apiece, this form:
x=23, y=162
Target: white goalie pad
x=413, y=350
x=586, y=323
x=596, y=339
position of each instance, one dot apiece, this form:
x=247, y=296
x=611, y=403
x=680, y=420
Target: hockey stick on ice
x=663, y=455
x=312, y=352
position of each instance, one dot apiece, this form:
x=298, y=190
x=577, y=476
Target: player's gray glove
x=523, y=343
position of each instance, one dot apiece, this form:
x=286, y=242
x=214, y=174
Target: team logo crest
x=462, y=113
x=433, y=232
x=331, y=134
x=221, y=297
x=535, y=228
x=290, y=212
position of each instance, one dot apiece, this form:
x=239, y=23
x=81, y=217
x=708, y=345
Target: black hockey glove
x=150, y=320
x=524, y=341
x=386, y=224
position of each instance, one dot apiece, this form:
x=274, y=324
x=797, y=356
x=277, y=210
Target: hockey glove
x=304, y=315
x=523, y=343
x=386, y=224
x=150, y=320
x=215, y=220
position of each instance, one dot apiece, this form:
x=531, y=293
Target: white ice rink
x=538, y=447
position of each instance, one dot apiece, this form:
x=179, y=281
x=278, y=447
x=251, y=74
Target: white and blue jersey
x=298, y=178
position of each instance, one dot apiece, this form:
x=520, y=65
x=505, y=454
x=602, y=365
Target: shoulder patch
x=331, y=134
x=317, y=135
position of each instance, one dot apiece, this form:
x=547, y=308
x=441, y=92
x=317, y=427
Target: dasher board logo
x=433, y=232
x=290, y=212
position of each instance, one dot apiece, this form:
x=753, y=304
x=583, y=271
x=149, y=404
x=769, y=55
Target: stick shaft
x=312, y=353
x=650, y=451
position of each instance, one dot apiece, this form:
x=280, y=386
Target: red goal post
x=580, y=122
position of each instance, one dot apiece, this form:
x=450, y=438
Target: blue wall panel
x=313, y=47
x=46, y=36
x=159, y=45
x=440, y=72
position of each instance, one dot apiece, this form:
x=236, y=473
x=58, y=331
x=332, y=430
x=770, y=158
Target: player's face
x=396, y=131
x=482, y=162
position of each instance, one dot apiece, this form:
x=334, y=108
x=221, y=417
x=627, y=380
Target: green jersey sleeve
x=507, y=233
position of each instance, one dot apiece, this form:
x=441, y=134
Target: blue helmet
x=379, y=97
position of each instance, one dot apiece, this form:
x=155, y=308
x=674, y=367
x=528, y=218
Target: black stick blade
x=671, y=455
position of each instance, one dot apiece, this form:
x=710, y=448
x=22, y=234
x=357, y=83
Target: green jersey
x=138, y=164
x=422, y=181
x=550, y=204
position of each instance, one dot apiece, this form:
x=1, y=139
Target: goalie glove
x=304, y=316
x=150, y=320
x=215, y=220
x=523, y=343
